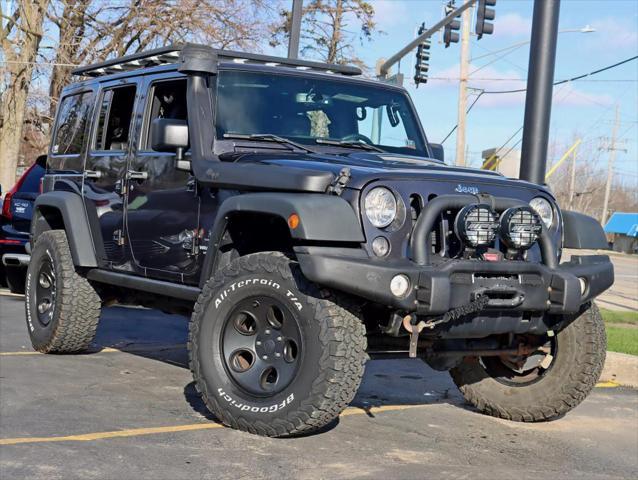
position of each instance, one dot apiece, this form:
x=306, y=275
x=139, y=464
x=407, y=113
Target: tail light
x=6, y=204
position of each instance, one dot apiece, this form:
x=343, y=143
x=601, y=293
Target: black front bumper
x=447, y=284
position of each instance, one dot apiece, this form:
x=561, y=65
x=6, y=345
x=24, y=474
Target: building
x=508, y=164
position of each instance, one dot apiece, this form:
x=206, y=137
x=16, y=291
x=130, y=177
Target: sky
x=581, y=109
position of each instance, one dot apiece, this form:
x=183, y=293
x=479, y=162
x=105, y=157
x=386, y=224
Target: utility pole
x=295, y=29
x=462, y=106
x=610, y=165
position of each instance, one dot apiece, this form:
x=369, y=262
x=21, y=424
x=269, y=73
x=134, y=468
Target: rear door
x=105, y=170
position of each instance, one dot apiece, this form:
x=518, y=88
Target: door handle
x=135, y=175
x=92, y=174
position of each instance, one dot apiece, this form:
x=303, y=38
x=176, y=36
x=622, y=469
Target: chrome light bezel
x=544, y=209
x=376, y=218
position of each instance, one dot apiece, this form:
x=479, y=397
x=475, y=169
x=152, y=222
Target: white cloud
x=390, y=13
x=493, y=79
x=512, y=25
x=616, y=32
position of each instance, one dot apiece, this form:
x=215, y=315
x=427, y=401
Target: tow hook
x=414, y=331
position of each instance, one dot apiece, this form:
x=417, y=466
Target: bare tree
x=93, y=30
x=326, y=29
x=20, y=37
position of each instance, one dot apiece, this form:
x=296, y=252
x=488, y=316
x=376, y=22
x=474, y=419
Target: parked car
x=300, y=214
x=15, y=220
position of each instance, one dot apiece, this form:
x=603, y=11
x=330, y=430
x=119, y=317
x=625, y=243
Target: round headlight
x=380, y=206
x=476, y=225
x=520, y=227
x=544, y=210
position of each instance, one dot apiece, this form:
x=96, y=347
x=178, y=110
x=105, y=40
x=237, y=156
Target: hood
x=366, y=167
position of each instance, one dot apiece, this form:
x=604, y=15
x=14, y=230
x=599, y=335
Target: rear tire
x=575, y=368
x=271, y=353
x=62, y=308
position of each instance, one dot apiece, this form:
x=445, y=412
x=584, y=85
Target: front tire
x=271, y=353
x=552, y=388
x=62, y=308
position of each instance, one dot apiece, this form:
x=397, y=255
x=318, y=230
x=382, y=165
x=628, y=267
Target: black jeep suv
x=302, y=217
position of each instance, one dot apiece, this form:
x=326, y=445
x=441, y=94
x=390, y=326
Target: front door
x=105, y=168
x=163, y=202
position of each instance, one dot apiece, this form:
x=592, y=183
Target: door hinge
x=119, y=238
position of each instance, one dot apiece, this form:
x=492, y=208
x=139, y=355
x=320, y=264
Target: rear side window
x=73, y=118
x=114, y=122
x=31, y=183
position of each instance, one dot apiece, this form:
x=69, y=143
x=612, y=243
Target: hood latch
x=340, y=182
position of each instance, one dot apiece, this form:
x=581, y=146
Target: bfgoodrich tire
x=62, y=308
x=270, y=353
x=578, y=355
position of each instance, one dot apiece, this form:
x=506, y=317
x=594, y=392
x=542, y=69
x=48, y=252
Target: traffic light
x=483, y=14
x=422, y=65
x=451, y=30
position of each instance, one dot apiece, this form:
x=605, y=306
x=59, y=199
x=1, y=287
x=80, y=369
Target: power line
x=560, y=82
x=578, y=77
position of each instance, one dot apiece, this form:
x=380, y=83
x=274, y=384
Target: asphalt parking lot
x=129, y=411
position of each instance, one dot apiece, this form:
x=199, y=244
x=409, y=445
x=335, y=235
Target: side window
x=114, y=120
x=167, y=100
x=72, y=120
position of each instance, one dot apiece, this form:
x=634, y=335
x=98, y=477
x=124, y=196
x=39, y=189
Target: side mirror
x=170, y=135
x=437, y=151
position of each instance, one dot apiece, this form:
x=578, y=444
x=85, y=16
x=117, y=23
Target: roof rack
x=171, y=54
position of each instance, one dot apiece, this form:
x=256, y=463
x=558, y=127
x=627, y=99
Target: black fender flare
x=76, y=225
x=582, y=231
x=322, y=218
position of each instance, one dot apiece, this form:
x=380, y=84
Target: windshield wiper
x=345, y=143
x=270, y=137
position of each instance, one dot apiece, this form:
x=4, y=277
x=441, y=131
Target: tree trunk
x=335, y=40
x=20, y=49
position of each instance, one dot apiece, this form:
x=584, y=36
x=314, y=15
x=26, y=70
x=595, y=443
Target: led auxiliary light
x=476, y=225
x=520, y=227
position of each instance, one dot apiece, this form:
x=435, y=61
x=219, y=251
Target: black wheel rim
x=522, y=371
x=261, y=345
x=45, y=292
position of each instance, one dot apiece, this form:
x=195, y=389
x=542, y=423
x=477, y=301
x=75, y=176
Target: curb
x=621, y=368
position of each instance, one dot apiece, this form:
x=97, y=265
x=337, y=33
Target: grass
x=612, y=316
x=622, y=331
x=623, y=340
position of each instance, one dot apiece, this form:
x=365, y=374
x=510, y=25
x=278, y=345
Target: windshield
x=310, y=110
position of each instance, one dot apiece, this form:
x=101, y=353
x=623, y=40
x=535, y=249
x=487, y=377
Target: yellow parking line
x=135, y=432
x=128, y=349
x=608, y=384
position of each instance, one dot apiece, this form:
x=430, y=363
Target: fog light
x=399, y=285
x=520, y=227
x=476, y=225
x=583, y=285
x=380, y=246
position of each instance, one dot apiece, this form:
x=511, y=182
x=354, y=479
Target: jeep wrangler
x=298, y=212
